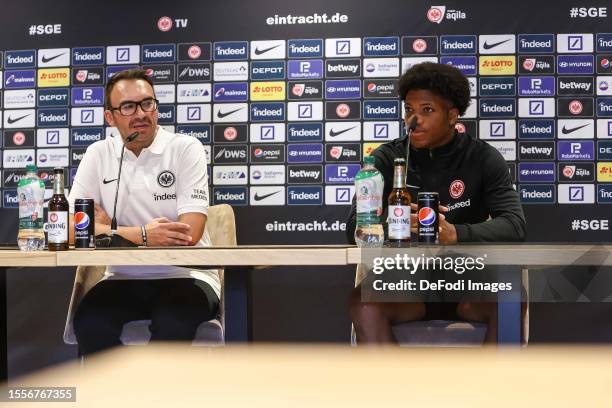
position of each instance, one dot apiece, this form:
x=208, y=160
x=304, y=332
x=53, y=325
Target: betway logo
x=343, y=68
x=583, y=86
x=536, y=150
x=314, y=174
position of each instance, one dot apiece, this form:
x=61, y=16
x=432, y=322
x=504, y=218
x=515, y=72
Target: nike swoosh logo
x=333, y=133
x=259, y=52
x=224, y=114
x=567, y=131
x=10, y=120
x=261, y=197
x=105, y=181
x=47, y=59
x=488, y=46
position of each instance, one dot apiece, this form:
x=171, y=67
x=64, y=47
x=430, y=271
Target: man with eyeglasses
x=162, y=201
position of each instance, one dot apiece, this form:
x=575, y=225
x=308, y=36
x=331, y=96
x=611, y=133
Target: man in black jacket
x=475, y=189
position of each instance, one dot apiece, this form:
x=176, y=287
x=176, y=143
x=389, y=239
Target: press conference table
x=239, y=260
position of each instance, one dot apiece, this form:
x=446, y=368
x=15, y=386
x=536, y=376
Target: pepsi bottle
x=399, y=207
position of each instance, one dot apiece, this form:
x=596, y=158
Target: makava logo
x=379, y=88
x=88, y=76
x=52, y=97
x=304, y=174
x=230, y=92
x=574, y=150
x=305, y=48
x=264, y=70
x=536, y=150
x=498, y=107
x=86, y=136
x=467, y=65
x=304, y=153
x=341, y=173
x=268, y=153
x=19, y=79
x=536, y=172
x=200, y=132
x=230, y=195
x=231, y=50
x=343, y=89
x=52, y=117
x=229, y=154
x=458, y=44
x=20, y=59
x=88, y=56
x=153, y=53
x=536, y=86
x=576, y=172
x=304, y=132
x=305, y=69
x=380, y=46
x=501, y=86
x=381, y=110
x=537, y=194
x=604, y=107
x=87, y=96
x=425, y=45
x=604, y=150
x=575, y=64
x=343, y=68
x=299, y=90
x=536, y=129
x=193, y=72
x=267, y=111
x=575, y=85
x=536, y=64
x=310, y=195
x=536, y=43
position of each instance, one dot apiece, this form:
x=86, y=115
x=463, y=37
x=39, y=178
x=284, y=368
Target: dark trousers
x=176, y=307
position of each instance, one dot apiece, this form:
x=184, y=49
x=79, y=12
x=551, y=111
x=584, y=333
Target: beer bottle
x=57, y=220
x=399, y=207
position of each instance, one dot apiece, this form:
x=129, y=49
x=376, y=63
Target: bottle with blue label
x=369, y=184
x=31, y=193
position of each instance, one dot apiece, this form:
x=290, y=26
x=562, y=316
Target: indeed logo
x=88, y=56
x=497, y=107
x=537, y=194
x=536, y=43
x=231, y=50
x=310, y=132
x=380, y=110
x=272, y=111
x=458, y=44
x=158, y=53
x=20, y=59
x=373, y=46
x=230, y=195
x=52, y=117
x=305, y=48
x=536, y=129
x=304, y=195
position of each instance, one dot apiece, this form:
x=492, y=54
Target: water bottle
x=369, y=186
x=31, y=194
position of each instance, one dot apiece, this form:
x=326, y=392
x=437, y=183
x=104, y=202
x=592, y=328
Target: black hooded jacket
x=471, y=178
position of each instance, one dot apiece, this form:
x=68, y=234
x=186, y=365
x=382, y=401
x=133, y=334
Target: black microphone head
x=412, y=124
x=132, y=137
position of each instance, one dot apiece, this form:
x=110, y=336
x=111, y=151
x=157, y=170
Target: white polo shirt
x=167, y=179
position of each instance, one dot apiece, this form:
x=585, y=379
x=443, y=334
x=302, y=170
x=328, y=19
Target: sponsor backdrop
x=288, y=98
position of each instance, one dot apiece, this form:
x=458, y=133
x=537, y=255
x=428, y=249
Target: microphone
x=128, y=139
x=412, y=124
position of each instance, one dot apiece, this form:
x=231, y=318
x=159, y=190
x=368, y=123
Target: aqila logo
x=436, y=14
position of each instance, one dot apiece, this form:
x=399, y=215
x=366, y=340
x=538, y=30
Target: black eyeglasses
x=129, y=108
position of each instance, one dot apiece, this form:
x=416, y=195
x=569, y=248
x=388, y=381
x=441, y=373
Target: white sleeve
x=192, y=180
x=86, y=183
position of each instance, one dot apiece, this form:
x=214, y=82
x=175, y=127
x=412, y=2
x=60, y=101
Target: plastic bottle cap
x=31, y=167
x=369, y=160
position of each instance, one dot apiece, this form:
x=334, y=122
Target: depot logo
x=268, y=91
x=497, y=65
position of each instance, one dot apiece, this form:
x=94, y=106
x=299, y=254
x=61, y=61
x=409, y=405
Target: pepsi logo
x=605, y=63
x=230, y=133
x=44, y=176
x=53, y=217
x=164, y=24
x=81, y=220
x=343, y=110
x=149, y=72
x=456, y=189
x=419, y=45
x=575, y=107
x=194, y=52
x=398, y=211
x=427, y=216
x=371, y=87
x=258, y=152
